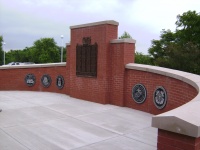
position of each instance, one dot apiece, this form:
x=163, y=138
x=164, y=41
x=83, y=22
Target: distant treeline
x=43, y=50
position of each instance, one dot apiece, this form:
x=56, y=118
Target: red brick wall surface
x=122, y=53
x=68, y=70
x=178, y=92
x=14, y=79
x=174, y=141
x=92, y=89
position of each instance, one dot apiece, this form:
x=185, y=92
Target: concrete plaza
x=51, y=121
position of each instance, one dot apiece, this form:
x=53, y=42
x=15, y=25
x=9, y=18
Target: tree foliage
x=44, y=50
x=142, y=59
x=180, y=49
x=125, y=35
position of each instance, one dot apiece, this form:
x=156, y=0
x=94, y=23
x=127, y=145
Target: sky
x=24, y=21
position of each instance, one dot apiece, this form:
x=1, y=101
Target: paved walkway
x=50, y=121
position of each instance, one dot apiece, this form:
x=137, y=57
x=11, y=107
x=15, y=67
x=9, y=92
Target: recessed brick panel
x=92, y=89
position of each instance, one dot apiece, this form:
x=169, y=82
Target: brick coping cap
x=184, y=119
x=125, y=40
x=111, y=22
x=33, y=66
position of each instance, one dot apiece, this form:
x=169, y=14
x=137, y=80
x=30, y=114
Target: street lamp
x=4, y=54
x=61, y=59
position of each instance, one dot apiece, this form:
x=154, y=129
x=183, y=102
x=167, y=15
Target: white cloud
x=161, y=14
x=143, y=19
x=44, y=2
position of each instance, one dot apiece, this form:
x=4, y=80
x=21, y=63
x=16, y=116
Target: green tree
x=180, y=49
x=188, y=28
x=45, y=50
x=125, y=35
x=143, y=59
x=10, y=56
x=158, y=49
x=64, y=54
x=16, y=56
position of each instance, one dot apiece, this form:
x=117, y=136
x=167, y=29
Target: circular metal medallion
x=60, y=82
x=139, y=93
x=30, y=79
x=160, y=97
x=46, y=80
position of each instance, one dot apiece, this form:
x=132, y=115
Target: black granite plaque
x=139, y=93
x=160, y=97
x=46, y=80
x=60, y=82
x=30, y=79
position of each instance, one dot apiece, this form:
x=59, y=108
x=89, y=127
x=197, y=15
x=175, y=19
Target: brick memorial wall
x=15, y=78
x=178, y=92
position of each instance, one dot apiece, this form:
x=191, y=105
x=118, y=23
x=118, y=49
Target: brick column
x=67, y=82
x=94, y=89
x=122, y=53
x=173, y=141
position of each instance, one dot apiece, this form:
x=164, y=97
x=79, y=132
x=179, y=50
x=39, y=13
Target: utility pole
x=61, y=57
x=4, y=53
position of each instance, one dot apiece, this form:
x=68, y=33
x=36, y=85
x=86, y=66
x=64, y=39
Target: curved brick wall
x=183, y=94
x=178, y=92
x=180, y=125
x=13, y=77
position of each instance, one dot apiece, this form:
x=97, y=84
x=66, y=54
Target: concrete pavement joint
x=79, y=124
x=15, y=139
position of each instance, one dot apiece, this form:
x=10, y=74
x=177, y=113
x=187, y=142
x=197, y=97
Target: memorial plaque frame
x=60, y=82
x=46, y=80
x=139, y=93
x=160, y=97
x=30, y=80
x=86, y=58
